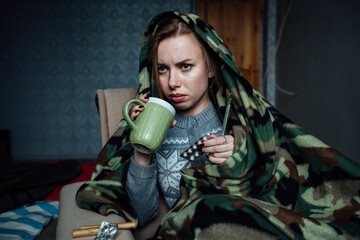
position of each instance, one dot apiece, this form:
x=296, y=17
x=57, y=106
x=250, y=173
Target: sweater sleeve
x=141, y=185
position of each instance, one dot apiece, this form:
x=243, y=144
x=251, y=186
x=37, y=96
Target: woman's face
x=183, y=75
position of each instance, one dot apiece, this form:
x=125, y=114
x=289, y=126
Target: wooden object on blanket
x=125, y=225
x=92, y=230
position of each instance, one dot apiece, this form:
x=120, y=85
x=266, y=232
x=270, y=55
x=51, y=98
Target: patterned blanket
x=28, y=221
x=280, y=183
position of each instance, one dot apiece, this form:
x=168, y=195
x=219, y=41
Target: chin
x=180, y=106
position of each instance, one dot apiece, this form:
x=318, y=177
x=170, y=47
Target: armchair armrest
x=72, y=217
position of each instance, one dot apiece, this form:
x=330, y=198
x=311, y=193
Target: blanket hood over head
x=281, y=182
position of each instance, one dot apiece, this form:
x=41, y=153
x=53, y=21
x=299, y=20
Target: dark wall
x=54, y=56
x=319, y=60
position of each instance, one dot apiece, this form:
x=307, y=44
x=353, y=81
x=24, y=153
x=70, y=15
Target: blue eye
x=161, y=69
x=186, y=66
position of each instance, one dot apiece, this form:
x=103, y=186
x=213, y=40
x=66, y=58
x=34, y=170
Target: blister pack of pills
x=107, y=231
x=194, y=151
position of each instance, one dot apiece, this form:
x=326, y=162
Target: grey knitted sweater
x=141, y=183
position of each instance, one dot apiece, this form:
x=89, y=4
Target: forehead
x=178, y=47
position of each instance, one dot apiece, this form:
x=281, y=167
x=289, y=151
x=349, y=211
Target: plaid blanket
x=280, y=183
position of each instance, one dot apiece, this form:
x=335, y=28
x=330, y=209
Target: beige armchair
x=109, y=103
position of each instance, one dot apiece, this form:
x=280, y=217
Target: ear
x=211, y=74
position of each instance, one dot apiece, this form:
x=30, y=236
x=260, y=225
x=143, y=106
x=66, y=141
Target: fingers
x=135, y=111
x=219, y=149
x=215, y=159
x=173, y=123
x=144, y=97
x=218, y=144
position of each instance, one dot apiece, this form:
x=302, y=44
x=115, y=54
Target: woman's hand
x=137, y=109
x=218, y=148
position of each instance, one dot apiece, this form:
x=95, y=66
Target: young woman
x=183, y=76
x=267, y=178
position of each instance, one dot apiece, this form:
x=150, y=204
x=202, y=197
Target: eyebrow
x=180, y=62
x=186, y=60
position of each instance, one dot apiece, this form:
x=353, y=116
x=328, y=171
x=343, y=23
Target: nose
x=174, y=80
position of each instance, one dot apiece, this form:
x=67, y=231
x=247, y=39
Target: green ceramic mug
x=150, y=127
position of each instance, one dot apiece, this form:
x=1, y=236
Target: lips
x=177, y=97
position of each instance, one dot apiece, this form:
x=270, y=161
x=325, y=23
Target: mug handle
x=125, y=111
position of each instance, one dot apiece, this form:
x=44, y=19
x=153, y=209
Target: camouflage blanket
x=280, y=183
